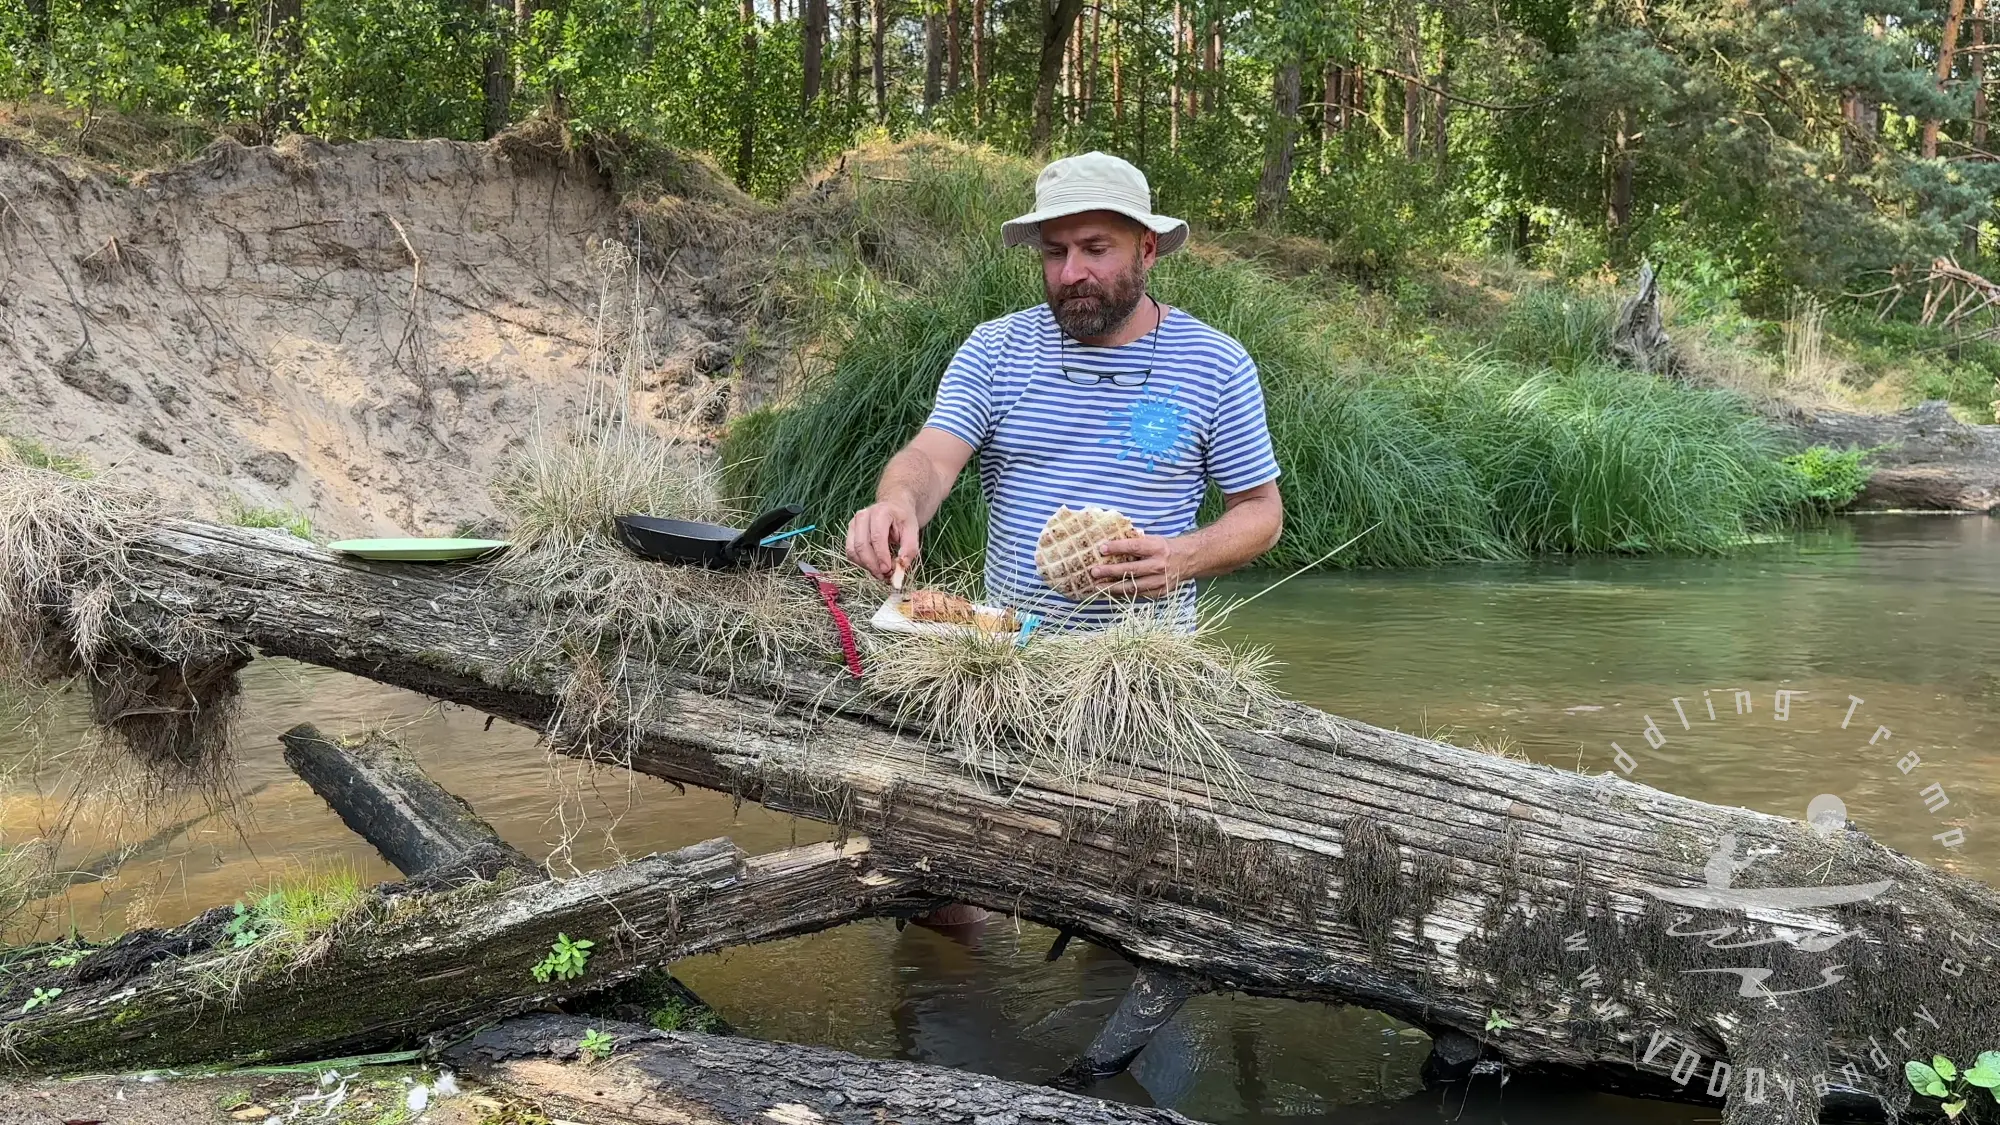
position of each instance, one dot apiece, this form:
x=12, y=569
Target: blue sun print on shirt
x=1153, y=428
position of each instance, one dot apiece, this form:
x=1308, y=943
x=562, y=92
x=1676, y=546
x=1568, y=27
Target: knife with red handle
x=830, y=594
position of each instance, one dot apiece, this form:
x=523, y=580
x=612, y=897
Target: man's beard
x=1087, y=310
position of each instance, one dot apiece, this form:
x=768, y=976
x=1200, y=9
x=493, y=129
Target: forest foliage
x=1758, y=146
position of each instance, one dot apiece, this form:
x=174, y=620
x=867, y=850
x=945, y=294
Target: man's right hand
x=883, y=536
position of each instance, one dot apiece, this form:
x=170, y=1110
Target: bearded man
x=1102, y=397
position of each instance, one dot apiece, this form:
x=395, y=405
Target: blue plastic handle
x=784, y=535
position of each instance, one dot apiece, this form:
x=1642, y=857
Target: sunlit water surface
x=1551, y=660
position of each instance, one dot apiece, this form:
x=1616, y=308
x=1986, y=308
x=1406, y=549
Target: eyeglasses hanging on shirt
x=1117, y=378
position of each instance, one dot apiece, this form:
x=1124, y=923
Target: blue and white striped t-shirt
x=1045, y=440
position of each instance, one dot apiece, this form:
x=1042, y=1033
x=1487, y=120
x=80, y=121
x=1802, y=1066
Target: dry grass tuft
x=562, y=492
x=63, y=562
x=1141, y=694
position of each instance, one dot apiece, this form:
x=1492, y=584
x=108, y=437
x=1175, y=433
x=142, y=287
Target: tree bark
x=684, y=1078
x=1923, y=458
x=287, y=107
x=1374, y=868
x=979, y=63
x=1118, y=75
x=854, y=57
x=933, y=61
x=406, y=963
x=1275, y=186
x=1147, y=1006
x=1091, y=68
x=497, y=79
x=1058, y=16
x=379, y=791
x=813, y=51
x=1947, y=53
x=877, y=44
x=1969, y=244
x=746, y=111
x=954, y=25
x=1175, y=83
x=1618, y=195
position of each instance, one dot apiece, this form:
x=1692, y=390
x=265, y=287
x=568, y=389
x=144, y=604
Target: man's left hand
x=1153, y=566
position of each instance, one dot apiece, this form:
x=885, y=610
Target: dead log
x=1923, y=457
x=402, y=963
x=1439, y=885
x=1638, y=336
x=381, y=793
x=678, y=1078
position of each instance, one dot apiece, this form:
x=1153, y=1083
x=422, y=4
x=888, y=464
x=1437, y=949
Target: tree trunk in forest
x=746, y=113
x=813, y=51
x=876, y=46
x=497, y=78
x=1094, y=63
x=1435, y=884
x=1618, y=193
x=1441, y=112
x=1211, y=62
x=1174, y=84
x=287, y=105
x=1413, y=108
x=1979, y=104
x=954, y=24
x=1117, y=75
x=933, y=61
x=1057, y=18
x=854, y=58
x=1275, y=186
x=979, y=75
x=1947, y=53
x=1144, y=110
x=1969, y=243
x=655, y=1077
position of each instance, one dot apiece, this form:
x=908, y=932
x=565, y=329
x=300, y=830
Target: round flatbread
x=1068, y=547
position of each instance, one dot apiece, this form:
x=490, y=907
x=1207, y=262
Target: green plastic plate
x=417, y=550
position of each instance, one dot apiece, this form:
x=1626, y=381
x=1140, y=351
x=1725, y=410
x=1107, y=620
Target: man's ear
x=1149, y=247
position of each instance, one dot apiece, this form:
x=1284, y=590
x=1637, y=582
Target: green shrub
x=1828, y=478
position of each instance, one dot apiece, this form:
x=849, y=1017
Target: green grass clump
x=1555, y=326
x=284, y=519
x=1829, y=478
x=35, y=455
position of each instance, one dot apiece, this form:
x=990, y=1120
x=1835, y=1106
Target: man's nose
x=1072, y=269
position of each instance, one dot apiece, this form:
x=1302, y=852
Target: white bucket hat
x=1094, y=181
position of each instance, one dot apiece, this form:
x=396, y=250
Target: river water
x=1553, y=661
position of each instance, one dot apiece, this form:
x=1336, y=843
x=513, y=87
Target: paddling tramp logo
x=1782, y=949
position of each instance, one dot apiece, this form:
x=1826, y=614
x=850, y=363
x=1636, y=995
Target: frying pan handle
x=760, y=527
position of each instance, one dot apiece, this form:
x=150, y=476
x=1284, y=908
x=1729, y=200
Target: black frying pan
x=708, y=544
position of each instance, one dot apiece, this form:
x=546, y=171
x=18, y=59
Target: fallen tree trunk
x=1923, y=458
x=399, y=963
x=1442, y=886
x=677, y=1078
x=379, y=791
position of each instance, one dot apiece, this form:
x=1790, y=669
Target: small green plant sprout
x=596, y=1045
x=246, y=926
x=41, y=997
x=565, y=961
x=70, y=959
x=1497, y=1022
x=1941, y=1079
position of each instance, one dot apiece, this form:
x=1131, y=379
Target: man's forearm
x=1245, y=531
x=911, y=479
